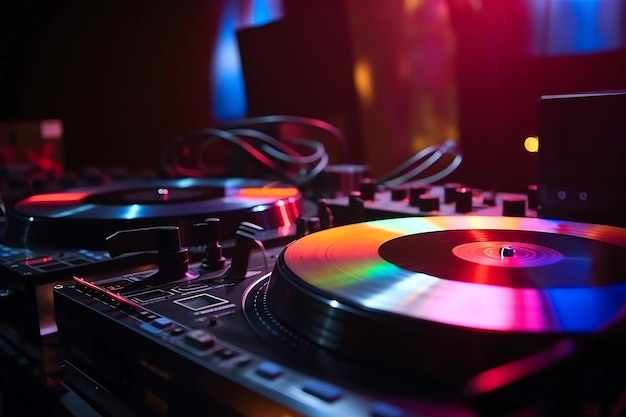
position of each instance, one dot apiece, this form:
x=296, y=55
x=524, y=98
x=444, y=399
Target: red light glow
x=508, y=373
x=66, y=197
x=286, y=192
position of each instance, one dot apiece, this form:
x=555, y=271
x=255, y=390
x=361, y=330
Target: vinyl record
x=82, y=218
x=459, y=284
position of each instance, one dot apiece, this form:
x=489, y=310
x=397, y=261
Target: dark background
x=127, y=78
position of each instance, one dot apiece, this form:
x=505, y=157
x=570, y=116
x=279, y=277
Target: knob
x=213, y=257
x=489, y=198
x=398, y=193
x=449, y=191
x=245, y=241
x=367, y=186
x=307, y=225
x=428, y=202
x=514, y=206
x=415, y=193
x=300, y=227
x=463, y=200
x=356, y=208
x=313, y=224
x=325, y=214
x=173, y=260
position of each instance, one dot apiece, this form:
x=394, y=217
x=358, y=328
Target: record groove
x=82, y=218
x=362, y=288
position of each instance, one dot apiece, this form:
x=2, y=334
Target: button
x=386, y=410
x=177, y=331
x=269, y=370
x=149, y=328
x=242, y=361
x=226, y=353
x=200, y=339
x=145, y=315
x=162, y=322
x=323, y=391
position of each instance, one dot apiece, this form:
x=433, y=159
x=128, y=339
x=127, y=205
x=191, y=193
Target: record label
x=511, y=258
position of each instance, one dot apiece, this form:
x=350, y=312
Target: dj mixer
x=47, y=237
x=231, y=297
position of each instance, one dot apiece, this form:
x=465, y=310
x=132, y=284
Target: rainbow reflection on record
x=345, y=264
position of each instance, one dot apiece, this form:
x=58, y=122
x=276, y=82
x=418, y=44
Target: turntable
x=48, y=237
x=414, y=316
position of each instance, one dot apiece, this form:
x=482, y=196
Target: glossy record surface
x=83, y=217
x=554, y=276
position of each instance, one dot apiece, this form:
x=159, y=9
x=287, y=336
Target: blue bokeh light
x=226, y=75
x=575, y=27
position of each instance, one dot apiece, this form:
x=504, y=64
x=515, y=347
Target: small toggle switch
x=245, y=241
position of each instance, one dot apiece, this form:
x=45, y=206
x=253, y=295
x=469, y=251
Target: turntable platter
x=83, y=218
x=465, y=285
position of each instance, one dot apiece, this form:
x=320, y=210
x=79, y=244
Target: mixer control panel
x=448, y=199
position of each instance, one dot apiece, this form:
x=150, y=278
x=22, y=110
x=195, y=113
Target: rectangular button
x=269, y=370
x=323, y=391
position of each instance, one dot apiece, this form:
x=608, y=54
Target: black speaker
x=582, y=157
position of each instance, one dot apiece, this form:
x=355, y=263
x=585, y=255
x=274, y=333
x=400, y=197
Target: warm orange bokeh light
x=531, y=144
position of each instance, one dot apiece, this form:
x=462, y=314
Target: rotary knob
x=367, y=187
x=463, y=200
x=356, y=208
x=513, y=206
x=489, y=198
x=415, y=193
x=449, y=190
x=398, y=193
x=325, y=214
x=428, y=202
x=213, y=258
